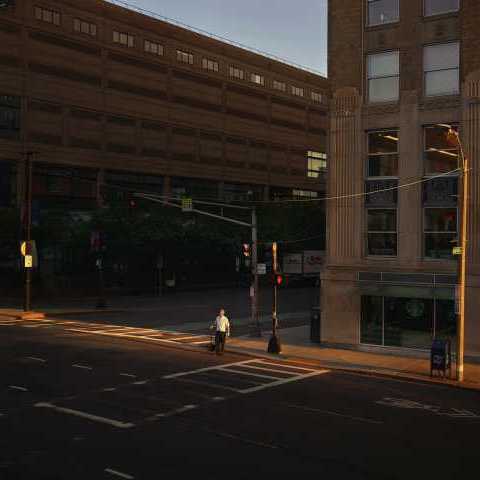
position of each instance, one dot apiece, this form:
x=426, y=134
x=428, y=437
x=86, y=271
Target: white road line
x=141, y=382
x=37, y=359
x=177, y=411
x=206, y=369
x=128, y=375
x=185, y=338
x=218, y=399
x=118, y=474
x=88, y=416
x=268, y=369
x=119, y=335
x=84, y=367
x=15, y=387
x=200, y=343
x=110, y=389
x=283, y=381
x=335, y=414
x=209, y=384
x=251, y=374
x=263, y=362
x=243, y=440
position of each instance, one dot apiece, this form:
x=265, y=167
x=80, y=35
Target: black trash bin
x=441, y=357
x=315, y=324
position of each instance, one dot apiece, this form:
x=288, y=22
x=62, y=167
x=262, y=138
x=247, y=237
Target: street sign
x=28, y=261
x=261, y=269
x=30, y=249
x=187, y=204
x=457, y=251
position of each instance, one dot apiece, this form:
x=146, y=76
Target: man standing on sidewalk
x=222, y=327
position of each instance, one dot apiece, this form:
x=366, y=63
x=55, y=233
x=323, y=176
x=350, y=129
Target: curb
x=42, y=315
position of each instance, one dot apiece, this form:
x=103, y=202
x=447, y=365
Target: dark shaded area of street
x=75, y=406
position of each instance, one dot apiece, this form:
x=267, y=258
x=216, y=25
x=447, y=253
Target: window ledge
x=382, y=26
x=440, y=16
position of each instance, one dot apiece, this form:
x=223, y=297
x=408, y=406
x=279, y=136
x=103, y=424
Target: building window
x=409, y=322
x=153, y=47
x=297, y=91
x=382, y=11
x=383, y=153
x=84, y=27
x=258, y=79
x=441, y=68
x=236, y=73
x=124, y=39
x=382, y=231
x=383, y=77
x=301, y=194
x=317, y=97
x=10, y=116
x=316, y=164
x=281, y=86
x=184, y=57
x=441, y=151
x=211, y=65
x=46, y=15
x=440, y=232
x=437, y=7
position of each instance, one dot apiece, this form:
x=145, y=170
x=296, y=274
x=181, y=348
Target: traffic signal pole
x=274, y=343
x=256, y=330
x=28, y=229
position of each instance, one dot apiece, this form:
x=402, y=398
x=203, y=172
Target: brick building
x=116, y=97
x=401, y=72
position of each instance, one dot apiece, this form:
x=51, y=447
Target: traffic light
x=246, y=250
x=278, y=280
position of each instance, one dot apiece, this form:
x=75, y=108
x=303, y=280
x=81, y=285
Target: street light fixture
x=461, y=266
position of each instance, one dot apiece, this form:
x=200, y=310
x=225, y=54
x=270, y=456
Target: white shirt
x=222, y=324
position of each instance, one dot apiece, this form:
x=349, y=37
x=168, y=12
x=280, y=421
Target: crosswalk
x=118, y=331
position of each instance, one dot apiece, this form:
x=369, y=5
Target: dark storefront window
x=372, y=320
x=10, y=110
x=382, y=231
x=382, y=154
x=406, y=322
x=440, y=229
x=441, y=150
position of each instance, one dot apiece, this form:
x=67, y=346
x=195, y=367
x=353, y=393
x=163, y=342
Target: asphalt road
x=79, y=406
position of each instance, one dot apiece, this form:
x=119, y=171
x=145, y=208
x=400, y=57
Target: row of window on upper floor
x=441, y=72
x=388, y=11
x=155, y=48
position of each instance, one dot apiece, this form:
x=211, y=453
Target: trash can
x=441, y=357
x=315, y=324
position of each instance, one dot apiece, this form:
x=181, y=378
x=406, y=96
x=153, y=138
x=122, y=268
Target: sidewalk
x=296, y=345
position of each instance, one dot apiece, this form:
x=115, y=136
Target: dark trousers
x=220, y=342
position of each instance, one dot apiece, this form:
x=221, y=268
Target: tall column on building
x=470, y=136
x=344, y=242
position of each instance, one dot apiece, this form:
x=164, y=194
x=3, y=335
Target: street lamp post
x=28, y=228
x=463, y=196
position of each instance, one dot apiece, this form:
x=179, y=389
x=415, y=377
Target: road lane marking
x=208, y=384
x=141, y=382
x=15, y=387
x=37, y=359
x=283, y=381
x=109, y=389
x=218, y=399
x=241, y=439
x=177, y=411
x=263, y=362
x=201, y=342
x=118, y=474
x=185, y=338
x=335, y=414
x=251, y=374
x=206, y=369
x=128, y=375
x=274, y=370
x=84, y=367
x=88, y=416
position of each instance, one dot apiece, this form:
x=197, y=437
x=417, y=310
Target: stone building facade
x=402, y=73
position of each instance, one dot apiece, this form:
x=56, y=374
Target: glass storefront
x=406, y=322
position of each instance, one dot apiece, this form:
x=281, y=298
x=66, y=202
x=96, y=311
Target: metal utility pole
x=256, y=330
x=462, y=264
x=28, y=229
x=274, y=343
